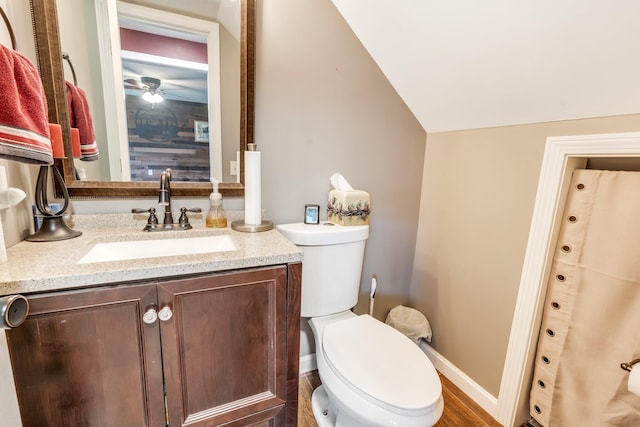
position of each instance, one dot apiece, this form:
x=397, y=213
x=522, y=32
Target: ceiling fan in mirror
x=150, y=87
x=162, y=77
x=152, y=121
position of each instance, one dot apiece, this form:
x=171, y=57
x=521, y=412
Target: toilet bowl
x=372, y=375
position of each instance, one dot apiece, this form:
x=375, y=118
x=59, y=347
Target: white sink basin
x=138, y=249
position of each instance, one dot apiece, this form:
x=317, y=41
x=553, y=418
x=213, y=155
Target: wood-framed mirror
x=50, y=62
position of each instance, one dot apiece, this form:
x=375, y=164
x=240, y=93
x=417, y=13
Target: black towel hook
x=8, y=24
x=65, y=56
x=627, y=366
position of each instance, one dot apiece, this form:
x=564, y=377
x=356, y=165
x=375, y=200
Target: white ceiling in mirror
x=226, y=12
x=179, y=80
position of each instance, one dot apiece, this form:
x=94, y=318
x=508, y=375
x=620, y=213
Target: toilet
x=372, y=375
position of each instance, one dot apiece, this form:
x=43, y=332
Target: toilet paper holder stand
x=629, y=365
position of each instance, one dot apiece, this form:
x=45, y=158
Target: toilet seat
x=381, y=365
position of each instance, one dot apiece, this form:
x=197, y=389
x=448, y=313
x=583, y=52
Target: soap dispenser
x=216, y=217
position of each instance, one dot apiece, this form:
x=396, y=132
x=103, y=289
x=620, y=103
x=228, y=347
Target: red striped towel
x=80, y=117
x=24, y=122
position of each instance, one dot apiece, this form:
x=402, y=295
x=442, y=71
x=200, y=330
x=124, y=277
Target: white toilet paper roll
x=252, y=188
x=634, y=380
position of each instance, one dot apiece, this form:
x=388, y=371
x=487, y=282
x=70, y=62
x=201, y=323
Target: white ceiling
x=464, y=64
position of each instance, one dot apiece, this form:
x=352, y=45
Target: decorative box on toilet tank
x=348, y=207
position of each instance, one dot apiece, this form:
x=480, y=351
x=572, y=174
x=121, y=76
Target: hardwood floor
x=308, y=382
x=459, y=409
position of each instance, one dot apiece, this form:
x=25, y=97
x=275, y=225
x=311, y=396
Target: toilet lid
x=381, y=362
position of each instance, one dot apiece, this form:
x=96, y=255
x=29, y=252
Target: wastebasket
x=410, y=322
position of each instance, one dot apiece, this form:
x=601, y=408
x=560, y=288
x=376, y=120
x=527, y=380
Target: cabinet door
x=86, y=358
x=224, y=348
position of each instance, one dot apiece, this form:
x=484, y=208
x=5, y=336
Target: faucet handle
x=195, y=210
x=152, y=221
x=184, y=219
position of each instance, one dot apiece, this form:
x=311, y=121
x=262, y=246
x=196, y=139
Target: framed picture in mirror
x=201, y=130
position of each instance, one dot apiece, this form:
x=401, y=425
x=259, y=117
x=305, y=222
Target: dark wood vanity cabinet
x=86, y=358
x=223, y=350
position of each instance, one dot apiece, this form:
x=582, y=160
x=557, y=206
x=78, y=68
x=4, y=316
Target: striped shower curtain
x=591, y=317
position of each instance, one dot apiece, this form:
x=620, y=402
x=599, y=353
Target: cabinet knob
x=13, y=311
x=150, y=316
x=165, y=314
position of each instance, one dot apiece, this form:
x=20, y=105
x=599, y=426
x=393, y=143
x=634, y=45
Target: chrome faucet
x=164, y=196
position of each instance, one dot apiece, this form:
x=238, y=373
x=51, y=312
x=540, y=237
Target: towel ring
x=8, y=24
x=628, y=366
x=65, y=56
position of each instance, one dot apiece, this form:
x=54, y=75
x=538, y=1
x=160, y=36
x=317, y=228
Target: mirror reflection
x=143, y=50
x=163, y=81
x=168, y=78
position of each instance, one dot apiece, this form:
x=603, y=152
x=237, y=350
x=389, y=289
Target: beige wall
x=478, y=193
x=323, y=106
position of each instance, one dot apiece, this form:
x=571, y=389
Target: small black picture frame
x=312, y=214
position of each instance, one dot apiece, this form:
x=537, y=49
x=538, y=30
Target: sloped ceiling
x=465, y=64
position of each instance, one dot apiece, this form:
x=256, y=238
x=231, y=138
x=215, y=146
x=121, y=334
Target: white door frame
x=562, y=155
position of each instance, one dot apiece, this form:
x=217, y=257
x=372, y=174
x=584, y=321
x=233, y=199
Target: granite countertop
x=45, y=266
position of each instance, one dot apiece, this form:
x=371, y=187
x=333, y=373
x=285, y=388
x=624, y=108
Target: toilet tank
x=332, y=265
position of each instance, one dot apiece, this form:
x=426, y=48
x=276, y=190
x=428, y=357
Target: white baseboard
x=308, y=363
x=478, y=394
